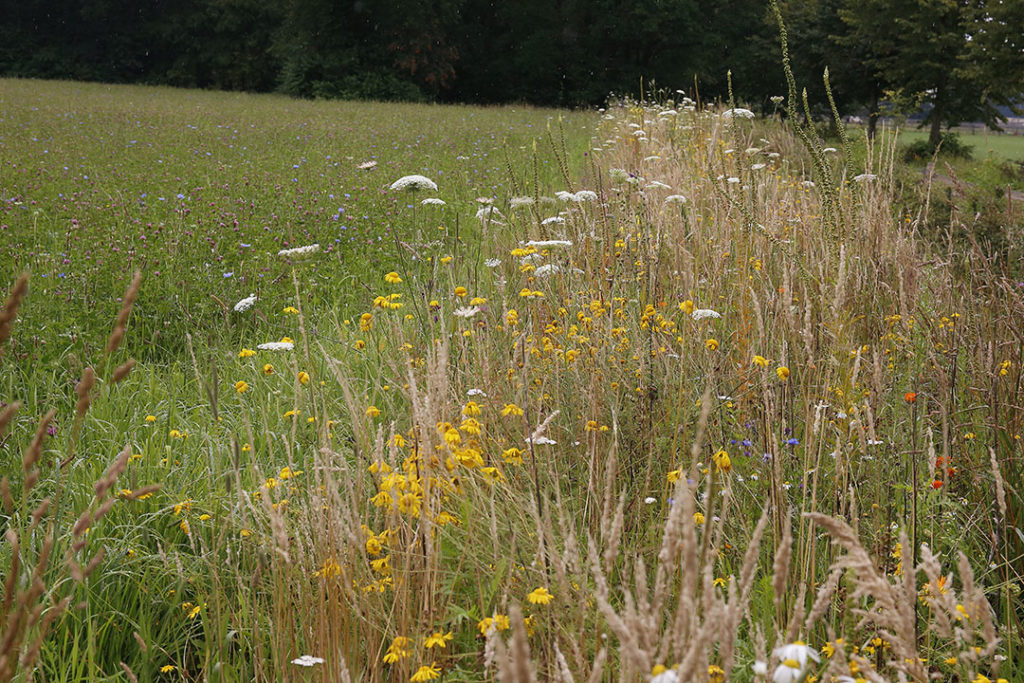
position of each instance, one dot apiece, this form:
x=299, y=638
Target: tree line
x=960, y=58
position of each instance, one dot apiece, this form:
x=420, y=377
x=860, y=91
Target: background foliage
x=565, y=53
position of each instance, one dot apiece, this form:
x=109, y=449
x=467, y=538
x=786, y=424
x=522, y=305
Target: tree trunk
x=872, y=115
x=935, y=135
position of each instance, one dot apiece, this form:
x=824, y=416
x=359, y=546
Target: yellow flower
x=291, y=413
x=195, y=612
x=722, y=461
x=698, y=518
x=674, y=476
x=184, y=526
x=511, y=409
x=392, y=278
x=287, y=340
x=366, y=322
x=513, y=456
x=426, y=673
x=245, y=353
x=783, y=372
x=761, y=361
x=438, y=639
x=715, y=674
x=167, y=668
x=151, y=418
x=477, y=301
x=303, y=377
x=711, y=344
x=720, y=582
x=686, y=307
x=512, y=317
x=540, y=596
x=373, y=411
x=471, y=409
x=291, y=309
x=499, y=622
x=241, y=386
x=460, y=291
x=399, y=649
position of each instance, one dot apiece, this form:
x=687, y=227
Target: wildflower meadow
x=323, y=391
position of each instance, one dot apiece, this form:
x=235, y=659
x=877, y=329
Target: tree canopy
x=962, y=58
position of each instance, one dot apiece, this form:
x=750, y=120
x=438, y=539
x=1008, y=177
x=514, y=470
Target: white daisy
x=794, y=658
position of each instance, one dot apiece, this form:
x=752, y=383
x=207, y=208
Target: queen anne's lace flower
x=702, y=313
x=737, y=113
x=414, y=182
x=245, y=304
x=299, y=251
x=276, y=346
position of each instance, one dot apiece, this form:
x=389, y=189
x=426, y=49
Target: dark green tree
x=963, y=57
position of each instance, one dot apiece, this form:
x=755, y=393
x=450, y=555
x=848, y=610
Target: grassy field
x=655, y=394
x=1000, y=146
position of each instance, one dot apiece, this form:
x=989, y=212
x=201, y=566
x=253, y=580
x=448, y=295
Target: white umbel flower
x=307, y=660
x=519, y=202
x=299, y=251
x=545, y=244
x=702, y=313
x=433, y=201
x=553, y=219
x=245, y=304
x=737, y=113
x=414, y=182
x=466, y=311
x=276, y=346
x=864, y=177
x=675, y=199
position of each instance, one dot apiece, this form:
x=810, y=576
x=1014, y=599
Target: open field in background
x=657, y=394
x=1002, y=146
